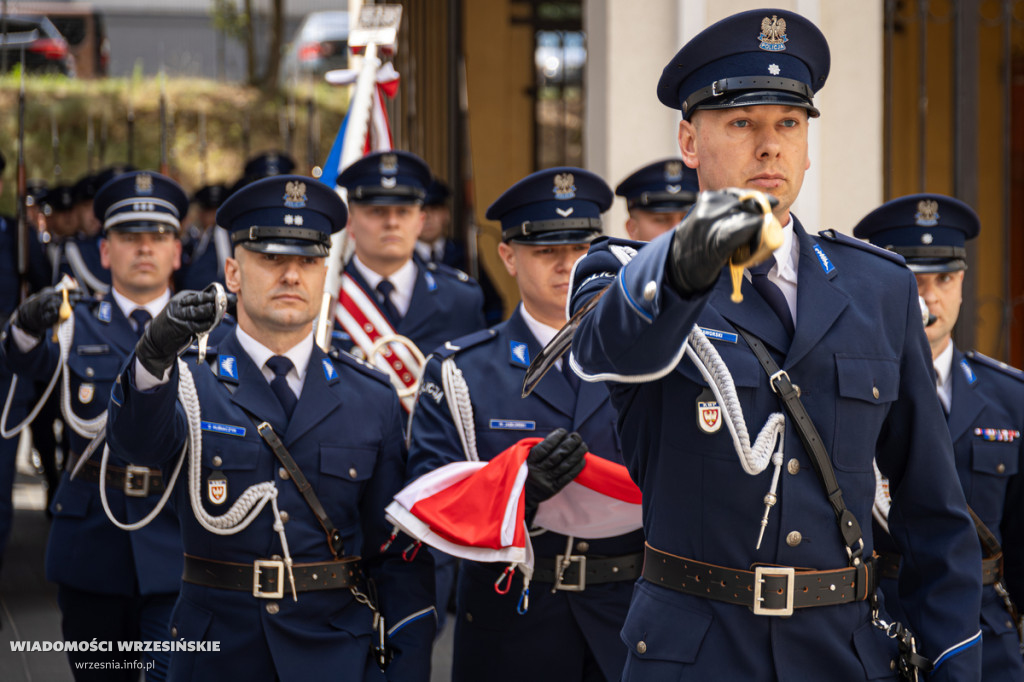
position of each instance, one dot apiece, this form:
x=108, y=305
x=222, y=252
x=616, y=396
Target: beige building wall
x=629, y=43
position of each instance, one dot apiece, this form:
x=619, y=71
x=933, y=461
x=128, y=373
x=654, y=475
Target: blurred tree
x=236, y=22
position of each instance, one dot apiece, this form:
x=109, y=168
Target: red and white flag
x=475, y=510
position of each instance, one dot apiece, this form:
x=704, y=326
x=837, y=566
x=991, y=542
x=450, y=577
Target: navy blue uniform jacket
x=85, y=550
x=346, y=436
x=862, y=362
x=988, y=396
x=500, y=641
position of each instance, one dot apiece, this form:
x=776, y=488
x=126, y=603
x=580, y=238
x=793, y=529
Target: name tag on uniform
x=716, y=335
x=227, y=429
x=513, y=425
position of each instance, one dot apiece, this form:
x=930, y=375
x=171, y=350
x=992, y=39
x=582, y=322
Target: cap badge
x=773, y=34
x=927, y=213
x=927, y=238
x=774, y=69
x=673, y=171
x=143, y=183
x=564, y=186
x=388, y=164
x=564, y=212
x=295, y=194
x=388, y=182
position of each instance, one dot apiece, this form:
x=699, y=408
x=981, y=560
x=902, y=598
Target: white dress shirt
x=943, y=381
x=404, y=280
x=542, y=332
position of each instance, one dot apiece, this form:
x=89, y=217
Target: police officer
x=207, y=245
x=81, y=252
x=264, y=165
x=279, y=591
x=576, y=608
x=984, y=404
x=842, y=320
x=428, y=303
x=436, y=245
x=111, y=584
x=657, y=197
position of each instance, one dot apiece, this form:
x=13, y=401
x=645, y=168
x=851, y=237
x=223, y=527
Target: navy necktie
x=141, y=318
x=384, y=288
x=771, y=293
x=280, y=366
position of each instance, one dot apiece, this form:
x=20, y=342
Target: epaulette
x=450, y=348
x=1002, y=367
x=447, y=270
x=359, y=365
x=840, y=238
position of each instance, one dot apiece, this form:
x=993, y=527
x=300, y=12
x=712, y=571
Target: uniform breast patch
x=520, y=353
x=228, y=366
x=227, y=429
x=997, y=435
x=329, y=372
x=513, y=425
x=717, y=335
x=826, y=262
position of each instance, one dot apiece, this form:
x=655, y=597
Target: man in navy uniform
x=281, y=590
x=657, y=197
x=843, y=321
x=206, y=246
x=570, y=630
x=428, y=303
x=984, y=404
x=436, y=244
x=112, y=584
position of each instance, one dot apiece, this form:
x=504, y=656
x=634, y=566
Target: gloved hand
x=552, y=464
x=717, y=225
x=187, y=314
x=41, y=310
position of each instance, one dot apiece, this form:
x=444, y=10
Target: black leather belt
x=991, y=568
x=574, y=572
x=268, y=578
x=133, y=481
x=767, y=590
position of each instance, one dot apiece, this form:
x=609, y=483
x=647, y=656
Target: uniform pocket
x=867, y=386
x=877, y=653
x=657, y=630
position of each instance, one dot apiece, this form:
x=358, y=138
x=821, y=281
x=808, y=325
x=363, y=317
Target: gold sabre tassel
x=771, y=239
x=64, y=312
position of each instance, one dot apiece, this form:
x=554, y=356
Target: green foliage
x=228, y=107
x=229, y=19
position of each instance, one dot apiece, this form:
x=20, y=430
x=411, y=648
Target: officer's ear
x=688, y=141
x=232, y=275
x=508, y=257
x=105, y=253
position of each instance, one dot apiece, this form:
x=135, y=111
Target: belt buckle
x=258, y=567
x=561, y=563
x=760, y=573
x=136, y=481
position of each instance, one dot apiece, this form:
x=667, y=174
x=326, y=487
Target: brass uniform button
x=273, y=607
x=793, y=466
x=174, y=632
x=794, y=538
x=217, y=461
x=641, y=647
x=1001, y=468
x=469, y=617
x=582, y=546
x=89, y=372
x=283, y=473
x=874, y=392
x=284, y=517
x=352, y=473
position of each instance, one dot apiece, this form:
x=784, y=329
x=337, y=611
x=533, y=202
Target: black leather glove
x=717, y=225
x=41, y=310
x=552, y=464
x=187, y=314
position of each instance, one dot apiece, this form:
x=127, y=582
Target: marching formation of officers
x=889, y=545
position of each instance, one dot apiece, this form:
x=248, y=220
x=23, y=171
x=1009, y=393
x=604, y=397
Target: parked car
x=35, y=36
x=81, y=24
x=320, y=45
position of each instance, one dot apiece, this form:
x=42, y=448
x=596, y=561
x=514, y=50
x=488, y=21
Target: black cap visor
x=750, y=98
x=287, y=247
x=143, y=226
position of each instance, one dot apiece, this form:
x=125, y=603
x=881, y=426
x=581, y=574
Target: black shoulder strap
x=849, y=528
x=267, y=433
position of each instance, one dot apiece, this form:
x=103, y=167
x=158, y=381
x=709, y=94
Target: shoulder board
x=448, y=271
x=840, y=238
x=361, y=366
x=1002, y=367
x=450, y=348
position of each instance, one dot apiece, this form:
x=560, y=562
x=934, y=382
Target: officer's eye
x=945, y=278
x=310, y=260
x=270, y=257
x=741, y=123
